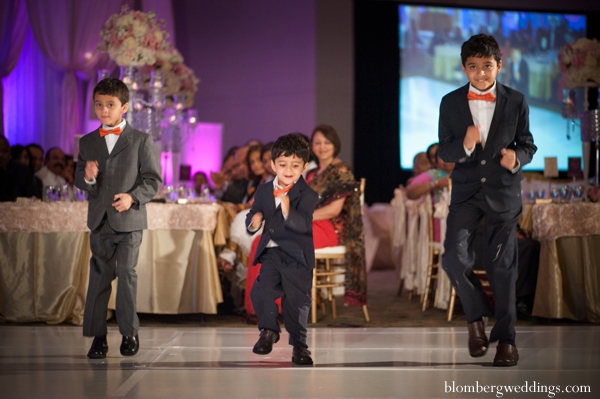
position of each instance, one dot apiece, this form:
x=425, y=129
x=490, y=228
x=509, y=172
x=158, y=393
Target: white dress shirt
x=111, y=140
x=482, y=113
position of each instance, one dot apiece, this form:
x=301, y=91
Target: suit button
x=483, y=162
x=271, y=231
x=483, y=179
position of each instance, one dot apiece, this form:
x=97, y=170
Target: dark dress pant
x=281, y=276
x=114, y=254
x=500, y=261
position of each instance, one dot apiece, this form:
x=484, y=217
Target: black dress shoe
x=507, y=355
x=264, y=345
x=130, y=345
x=301, y=356
x=478, y=341
x=99, y=348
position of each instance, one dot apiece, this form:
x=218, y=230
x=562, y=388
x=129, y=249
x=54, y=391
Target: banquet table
x=45, y=252
x=568, y=284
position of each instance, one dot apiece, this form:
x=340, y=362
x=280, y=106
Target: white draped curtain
x=67, y=32
x=13, y=26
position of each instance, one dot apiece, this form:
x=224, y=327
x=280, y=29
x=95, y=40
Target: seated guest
x=337, y=219
x=16, y=180
x=265, y=156
x=19, y=154
x=257, y=174
x=237, y=190
x=36, y=157
x=51, y=172
x=420, y=164
x=431, y=182
x=222, y=179
x=68, y=172
x=432, y=154
x=201, y=184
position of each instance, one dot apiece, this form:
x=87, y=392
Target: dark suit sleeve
x=300, y=218
x=79, y=180
x=149, y=171
x=451, y=147
x=523, y=144
x=259, y=198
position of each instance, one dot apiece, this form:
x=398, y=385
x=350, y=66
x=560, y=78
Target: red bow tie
x=483, y=97
x=277, y=192
x=104, y=132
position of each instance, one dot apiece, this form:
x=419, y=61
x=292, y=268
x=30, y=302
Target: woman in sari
x=337, y=219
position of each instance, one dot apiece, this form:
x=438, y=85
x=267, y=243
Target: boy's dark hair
x=481, y=46
x=112, y=87
x=331, y=135
x=291, y=144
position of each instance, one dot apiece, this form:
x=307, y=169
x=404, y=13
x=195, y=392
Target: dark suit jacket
x=482, y=169
x=294, y=234
x=132, y=167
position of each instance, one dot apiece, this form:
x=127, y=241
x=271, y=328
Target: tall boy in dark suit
x=484, y=129
x=118, y=166
x=286, y=248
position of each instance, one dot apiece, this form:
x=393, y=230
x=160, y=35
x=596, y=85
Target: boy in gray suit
x=118, y=166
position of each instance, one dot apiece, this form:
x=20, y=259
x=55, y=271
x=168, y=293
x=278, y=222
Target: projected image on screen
x=430, y=39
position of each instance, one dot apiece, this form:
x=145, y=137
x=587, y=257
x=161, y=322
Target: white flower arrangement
x=133, y=38
x=580, y=62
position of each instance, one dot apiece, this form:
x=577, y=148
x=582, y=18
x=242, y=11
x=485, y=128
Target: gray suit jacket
x=132, y=167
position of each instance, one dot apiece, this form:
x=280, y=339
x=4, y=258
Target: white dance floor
x=50, y=362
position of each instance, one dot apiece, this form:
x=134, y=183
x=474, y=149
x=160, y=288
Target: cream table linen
x=568, y=284
x=44, y=260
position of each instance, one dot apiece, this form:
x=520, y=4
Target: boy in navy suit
x=484, y=129
x=285, y=249
x=119, y=168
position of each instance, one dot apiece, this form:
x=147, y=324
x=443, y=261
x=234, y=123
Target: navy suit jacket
x=482, y=170
x=294, y=234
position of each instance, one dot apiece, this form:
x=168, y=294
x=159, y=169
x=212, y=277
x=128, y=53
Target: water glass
x=564, y=193
x=541, y=193
x=79, y=195
x=52, y=193
x=555, y=194
x=577, y=192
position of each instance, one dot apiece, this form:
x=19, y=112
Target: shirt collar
x=477, y=91
x=276, y=183
x=120, y=125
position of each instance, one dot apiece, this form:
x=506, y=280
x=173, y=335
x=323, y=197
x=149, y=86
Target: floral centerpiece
x=133, y=38
x=580, y=62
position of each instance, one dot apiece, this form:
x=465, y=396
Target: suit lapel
x=498, y=111
x=297, y=189
x=100, y=145
x=463, y=105
x=124, y=140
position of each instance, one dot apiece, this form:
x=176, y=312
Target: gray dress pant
x=114, y=254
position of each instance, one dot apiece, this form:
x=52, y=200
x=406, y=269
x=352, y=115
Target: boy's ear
x=125, y=107
x=273, y=164
x=305, y=166
x=499, y=65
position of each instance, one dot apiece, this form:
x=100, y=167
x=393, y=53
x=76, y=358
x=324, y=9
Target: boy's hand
x=91, y=170
x=122, y=202
x=257, y=219
x=509, y=159
x=472, y=137
x=285, y=204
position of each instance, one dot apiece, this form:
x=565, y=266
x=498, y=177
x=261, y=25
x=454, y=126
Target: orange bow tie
x=483, y=97
x=277, y=192
x=104, y=132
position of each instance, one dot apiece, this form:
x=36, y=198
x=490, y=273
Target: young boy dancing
x=484, y=129
x=118, y=166
x=286, y=248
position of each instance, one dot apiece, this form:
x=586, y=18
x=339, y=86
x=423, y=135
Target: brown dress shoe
x=264, y=345
x=478, y=341
x=301, y=356
x=506, y=355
